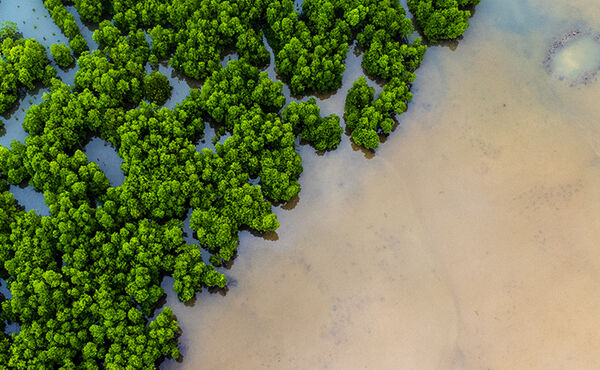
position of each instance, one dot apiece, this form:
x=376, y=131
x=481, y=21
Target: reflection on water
x=30, y=199
x=12, y=328
x=106, y=157
x=468, y=242
x=67, y=75
x=515, y=17
x=210, y=138
x=4, y=290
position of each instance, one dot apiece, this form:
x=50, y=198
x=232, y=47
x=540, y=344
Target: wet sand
x=470, y=241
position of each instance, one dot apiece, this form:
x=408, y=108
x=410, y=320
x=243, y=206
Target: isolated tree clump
x=367, y=118
x=157, y=88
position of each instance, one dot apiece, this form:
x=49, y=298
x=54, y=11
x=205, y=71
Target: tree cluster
x=195, y=35
x=86, y=279
x=442, y=19
x=66, y=22
x=389, y=57
x=24, y=63
x=367, y=117
x=311, y=46
x=322, y=133
x=8, y=29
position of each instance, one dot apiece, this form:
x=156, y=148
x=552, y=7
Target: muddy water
x=468, y=242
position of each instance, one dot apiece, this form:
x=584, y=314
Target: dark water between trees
x=469, y=241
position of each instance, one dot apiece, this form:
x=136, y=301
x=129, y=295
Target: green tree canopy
x=62, y=54
x=157, y=88
x=442, y=19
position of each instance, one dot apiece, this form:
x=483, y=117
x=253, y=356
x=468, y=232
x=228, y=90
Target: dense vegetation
x=442, y=19
x=322, y=133
x=23, y=64
x=86, y=280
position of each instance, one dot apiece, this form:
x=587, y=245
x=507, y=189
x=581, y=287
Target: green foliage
x=62, y=54
x=310, y=53
x=231, y=91
x=442, y=19
x=23, y=63
x=90, y=10
x=85, y=279
x=163, y=42
x=116, y=83
x=207, y=30
x=311, y=46
x=8, y=29
x=367, y=118
x=321, y=133
x=388, y=59
x=157, y=88
x=66, y=22
x=468, y=3
x=78, y=45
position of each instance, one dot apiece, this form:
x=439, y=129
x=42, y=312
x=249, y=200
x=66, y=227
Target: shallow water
x=578, y=58
x=33, y=20
x=107, y=158
x=469, y=241
x=30, y=199
x=13, y=119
